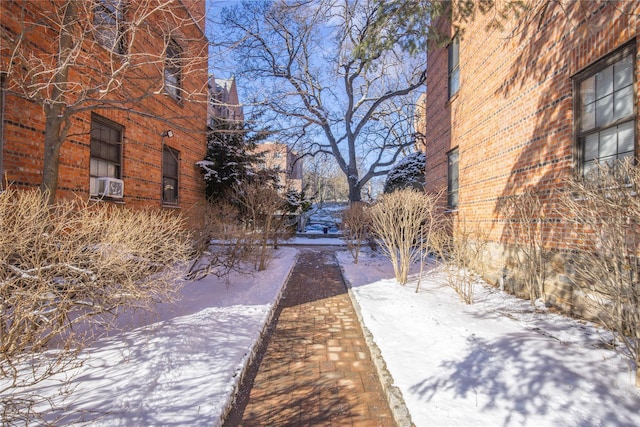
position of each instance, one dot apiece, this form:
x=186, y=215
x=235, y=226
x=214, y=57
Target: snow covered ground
x=181, y=369
x=328, y=216
x=495, y=363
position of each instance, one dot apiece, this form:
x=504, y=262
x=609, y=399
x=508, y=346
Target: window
x=170, y=175
x=108, y=17
x=106, y=143
x=454, y=66
x=452, y=179
x=605, y=119
x=172, y=70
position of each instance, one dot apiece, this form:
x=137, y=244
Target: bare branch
x=333, y=101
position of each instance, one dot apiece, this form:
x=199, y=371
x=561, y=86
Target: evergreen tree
x=408, y=173
x=297, y=201
x=230, y=160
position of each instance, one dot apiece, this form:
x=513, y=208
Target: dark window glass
x=172, y=70
x=452, y=179
x=170, y=169
x=108, y=17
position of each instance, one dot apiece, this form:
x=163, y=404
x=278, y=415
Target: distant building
x=224, y=102
x=280, y=156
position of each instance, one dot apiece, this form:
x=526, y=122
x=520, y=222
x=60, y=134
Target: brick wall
x=512, y=119
x=145, y=113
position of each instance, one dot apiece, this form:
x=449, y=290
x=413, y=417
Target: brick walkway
x=316, y=369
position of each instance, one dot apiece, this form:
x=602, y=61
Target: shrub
x=263, y=212
x=403, y=222
x=408, y=173
x=604, y=211
x=222, y=243
x=525, y=218
x=356, y=227
x=462, y=256
x=67, y=269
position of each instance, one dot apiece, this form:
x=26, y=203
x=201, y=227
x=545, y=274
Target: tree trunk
x=56, y=113
x=265, y=241
x=52, y=144
x=354, y=188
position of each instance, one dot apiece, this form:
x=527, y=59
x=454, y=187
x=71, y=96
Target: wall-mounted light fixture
x=167, y=133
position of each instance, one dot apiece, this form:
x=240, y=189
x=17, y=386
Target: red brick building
x=525, y=106
x=134, y=99
x=280, y=156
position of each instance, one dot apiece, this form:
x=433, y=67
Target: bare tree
x=66, y=271
x=326, y=182
x=72, y=57
x=604, y=211
x=326, y=93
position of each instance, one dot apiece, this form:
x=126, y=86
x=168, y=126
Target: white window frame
x=104, y=165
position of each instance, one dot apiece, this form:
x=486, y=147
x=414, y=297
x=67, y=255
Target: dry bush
x=402, y=221
x=66, y=270
x=223, y=246
x=525, y=218
x=357, y=226
x=434, y=229
x=604, y=210
x=462, y=253
x=263, y=211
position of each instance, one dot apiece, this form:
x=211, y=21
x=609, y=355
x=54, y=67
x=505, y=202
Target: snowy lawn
x=181, y=369
x=497, y=362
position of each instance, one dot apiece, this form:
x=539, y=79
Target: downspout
x=3, y=79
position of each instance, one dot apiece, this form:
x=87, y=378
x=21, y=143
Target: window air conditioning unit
x=110, y=187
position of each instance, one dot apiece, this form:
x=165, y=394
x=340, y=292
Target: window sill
x=630, y=192
x=452, y=98
x=177, y=99
x=122, y=56
x=171, y=205
x=96, y=199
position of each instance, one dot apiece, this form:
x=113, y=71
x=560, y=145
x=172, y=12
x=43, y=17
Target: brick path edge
x=248, y=361
x=397, y=405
